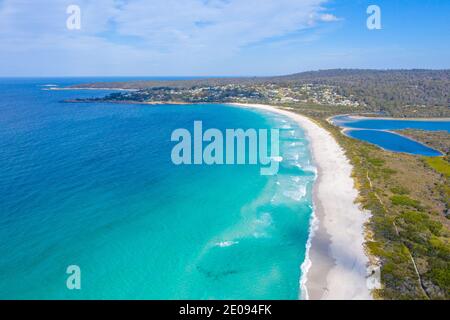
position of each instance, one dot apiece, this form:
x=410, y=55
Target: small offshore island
x=406, y=196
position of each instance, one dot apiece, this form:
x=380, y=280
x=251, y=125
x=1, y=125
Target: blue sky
x=219, y=37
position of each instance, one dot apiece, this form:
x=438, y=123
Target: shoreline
x=345, y=130
x=152, y=103
x=336, y=265
x=46, y=88
x=358, y=117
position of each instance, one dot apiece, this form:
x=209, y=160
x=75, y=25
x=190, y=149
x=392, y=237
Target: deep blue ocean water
x=92, y=185
x=376, y=131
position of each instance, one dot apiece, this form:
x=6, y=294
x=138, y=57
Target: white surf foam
x=225, y=244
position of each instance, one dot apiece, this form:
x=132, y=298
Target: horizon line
x=219, y=76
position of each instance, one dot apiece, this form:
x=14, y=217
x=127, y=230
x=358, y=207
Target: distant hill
x=389, y=91
x=383, y=88
x=148, y=84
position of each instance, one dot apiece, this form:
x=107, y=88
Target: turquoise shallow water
x=93, y=185
x=376, y=131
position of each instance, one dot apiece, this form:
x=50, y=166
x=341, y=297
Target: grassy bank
x=409, y=233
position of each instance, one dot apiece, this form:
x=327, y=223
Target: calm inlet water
x=376, y=131
x=93, y=185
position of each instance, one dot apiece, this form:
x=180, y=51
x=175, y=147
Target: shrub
x=402, y=200
x=400, y=190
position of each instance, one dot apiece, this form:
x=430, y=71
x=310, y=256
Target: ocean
x=377, y=131
x=93, y=185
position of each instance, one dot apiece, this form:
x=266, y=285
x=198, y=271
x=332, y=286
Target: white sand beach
x=336, y=266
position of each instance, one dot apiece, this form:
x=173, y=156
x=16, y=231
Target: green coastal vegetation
x=408, y=196
x=439, y=140
x=398, y=93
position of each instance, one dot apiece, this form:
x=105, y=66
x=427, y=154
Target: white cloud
x=215, y=24
x=327, y=17
x=150, y=31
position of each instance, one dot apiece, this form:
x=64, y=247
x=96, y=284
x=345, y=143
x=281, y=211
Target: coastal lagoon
x=377, y=131
x=93, y=185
